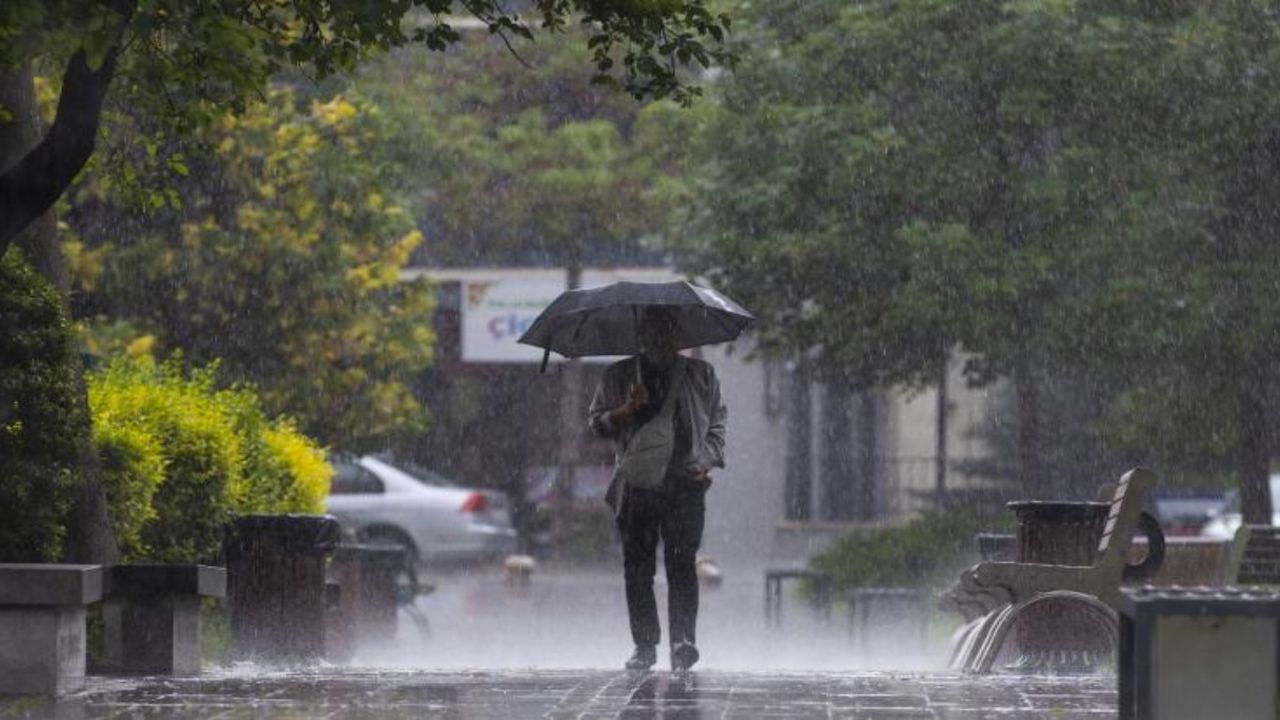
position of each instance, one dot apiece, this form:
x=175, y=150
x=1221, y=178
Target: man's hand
x=637, y=399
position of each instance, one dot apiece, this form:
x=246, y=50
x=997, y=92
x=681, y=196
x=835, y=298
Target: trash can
x=276, y=586
x=1195, y=653
x=369, y=579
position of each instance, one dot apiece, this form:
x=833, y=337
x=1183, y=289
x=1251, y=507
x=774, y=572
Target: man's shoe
x=683, y=656
x=645, y=657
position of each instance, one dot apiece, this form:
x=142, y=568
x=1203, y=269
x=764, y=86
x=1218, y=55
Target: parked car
x=437, y=521
x=1185, y=511
x=1223, y=524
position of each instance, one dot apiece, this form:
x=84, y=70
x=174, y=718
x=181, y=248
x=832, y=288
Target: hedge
x=42, y=420
x=927, y=552
x=183, y=457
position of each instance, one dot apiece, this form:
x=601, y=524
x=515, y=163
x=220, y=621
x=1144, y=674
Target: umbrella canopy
x=605, y=320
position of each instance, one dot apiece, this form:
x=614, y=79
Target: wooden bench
x=1007, y=589
x=42, y=626
x=1252, y=557
x=1022, y=581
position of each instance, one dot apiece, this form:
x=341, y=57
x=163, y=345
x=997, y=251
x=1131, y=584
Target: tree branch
x=32, y=185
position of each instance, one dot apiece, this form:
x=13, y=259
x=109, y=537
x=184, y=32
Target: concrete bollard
x=709, y=575
x=517, y=573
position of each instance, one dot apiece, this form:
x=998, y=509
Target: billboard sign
x=498, y=308
x=495, y=312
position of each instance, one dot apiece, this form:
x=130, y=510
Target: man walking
x=661, y=405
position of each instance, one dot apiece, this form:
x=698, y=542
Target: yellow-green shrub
x=309, y=470
x=219, y=456
x=133, y=467
x=284, y=470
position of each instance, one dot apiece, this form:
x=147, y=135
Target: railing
x=905, y=486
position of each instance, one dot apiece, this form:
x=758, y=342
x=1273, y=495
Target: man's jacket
x=698, y=404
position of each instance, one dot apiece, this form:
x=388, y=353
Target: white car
x=436, y=521
x=1223, y=525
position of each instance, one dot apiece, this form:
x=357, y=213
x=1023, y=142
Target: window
x=351, y=479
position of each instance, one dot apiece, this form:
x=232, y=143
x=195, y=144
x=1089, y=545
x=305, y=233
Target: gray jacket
x=699, y=403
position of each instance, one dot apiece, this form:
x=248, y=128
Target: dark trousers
x=676, y=518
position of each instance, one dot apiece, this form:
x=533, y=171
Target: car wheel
x=407, y=575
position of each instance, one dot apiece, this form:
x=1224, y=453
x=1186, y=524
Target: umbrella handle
x=546, y=355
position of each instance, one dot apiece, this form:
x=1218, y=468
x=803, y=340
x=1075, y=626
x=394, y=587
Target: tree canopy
x=1052, y=188
x=281, y=258
x=507, y=163
x=186, y=62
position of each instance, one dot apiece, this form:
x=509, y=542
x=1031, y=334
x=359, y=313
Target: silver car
x=1222, y=525
x=436, y=521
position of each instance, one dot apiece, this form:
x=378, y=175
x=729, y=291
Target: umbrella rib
x=581, y=321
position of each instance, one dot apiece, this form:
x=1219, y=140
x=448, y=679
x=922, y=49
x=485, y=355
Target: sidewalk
x=555, y=652
x=248, y=692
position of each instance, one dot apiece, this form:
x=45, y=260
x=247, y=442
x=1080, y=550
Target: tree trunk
x=1255, y=459
x=89, y=535
x=38, y=240
x=1030, y=469
x=942, y=408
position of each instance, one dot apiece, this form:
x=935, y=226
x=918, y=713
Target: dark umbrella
x=605, y=320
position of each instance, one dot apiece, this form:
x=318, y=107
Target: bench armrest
x=1022, y=580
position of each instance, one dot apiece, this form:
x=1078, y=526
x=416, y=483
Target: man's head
x=657, y=332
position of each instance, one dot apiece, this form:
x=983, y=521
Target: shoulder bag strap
x=669, y=402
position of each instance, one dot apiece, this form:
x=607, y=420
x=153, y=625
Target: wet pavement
x=550, y=652
x=572, y=619
x=246, y=692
